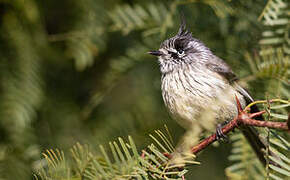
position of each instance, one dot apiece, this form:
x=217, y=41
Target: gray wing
x=219, y=66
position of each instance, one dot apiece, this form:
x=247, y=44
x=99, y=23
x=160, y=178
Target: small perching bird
x=195, y=81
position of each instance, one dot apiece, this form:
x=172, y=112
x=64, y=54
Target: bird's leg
x=219, y=133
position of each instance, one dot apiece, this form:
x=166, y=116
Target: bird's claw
x=219, y=133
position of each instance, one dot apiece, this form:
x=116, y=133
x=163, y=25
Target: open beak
x=155, y=53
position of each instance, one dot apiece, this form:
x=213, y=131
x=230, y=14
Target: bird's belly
x=188, y=99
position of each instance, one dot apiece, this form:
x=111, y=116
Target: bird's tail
x=257, y=143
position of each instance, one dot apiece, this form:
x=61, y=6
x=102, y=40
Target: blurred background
x=77, y=71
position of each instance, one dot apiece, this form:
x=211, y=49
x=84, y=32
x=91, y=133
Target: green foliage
x=126, y=18
x=88, y=37
x=246, y=164
x=154, y=15
x=275, y=18
x=280, y=147
x=125, y=162
x=273, y=59
x=21, y=87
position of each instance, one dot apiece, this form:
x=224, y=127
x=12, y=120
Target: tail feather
x=251, y=134
x=255, y=141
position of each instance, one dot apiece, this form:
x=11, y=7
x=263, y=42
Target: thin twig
x=265, y=102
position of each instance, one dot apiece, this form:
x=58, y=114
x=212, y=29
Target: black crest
x=183, y=35
x=182, y=29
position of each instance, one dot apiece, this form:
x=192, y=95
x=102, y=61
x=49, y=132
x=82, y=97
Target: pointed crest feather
x=182, y=29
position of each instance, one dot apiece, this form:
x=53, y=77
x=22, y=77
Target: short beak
x=155, y=53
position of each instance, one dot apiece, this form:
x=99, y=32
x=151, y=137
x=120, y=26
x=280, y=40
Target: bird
x=194, y=79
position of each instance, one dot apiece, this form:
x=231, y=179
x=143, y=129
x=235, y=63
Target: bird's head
x=180, y=50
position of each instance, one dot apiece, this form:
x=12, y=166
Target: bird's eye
x=180, y=52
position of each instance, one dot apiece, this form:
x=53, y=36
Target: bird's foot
x=219, y=133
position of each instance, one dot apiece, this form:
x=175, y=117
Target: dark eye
x=180, y=51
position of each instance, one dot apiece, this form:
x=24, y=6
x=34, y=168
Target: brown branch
x=211, y=139
x=243, y=118
x=273, y=125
